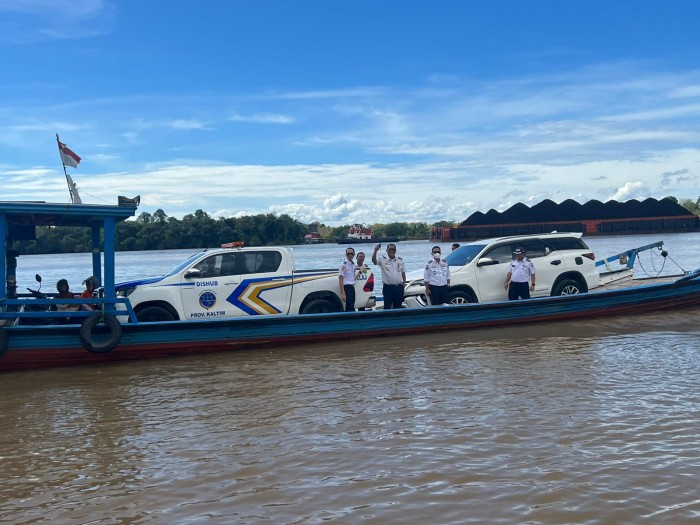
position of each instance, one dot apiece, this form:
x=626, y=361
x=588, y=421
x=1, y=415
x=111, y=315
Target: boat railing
x=628, y=257
x=26, y=308
x=695, y=274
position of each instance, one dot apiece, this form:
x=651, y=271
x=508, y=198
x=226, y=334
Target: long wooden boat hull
x=30, y=347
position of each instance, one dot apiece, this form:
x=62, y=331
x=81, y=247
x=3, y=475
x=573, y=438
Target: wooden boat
x=29, y=347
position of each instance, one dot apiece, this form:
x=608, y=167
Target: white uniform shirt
x=520, y=271
x=360, y=272
x=347, y=272
x=392, y=269
x=437, y=273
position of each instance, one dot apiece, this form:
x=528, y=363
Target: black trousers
x=439, y=294
x=518, y=291
x=349, y=290
x=393, y=296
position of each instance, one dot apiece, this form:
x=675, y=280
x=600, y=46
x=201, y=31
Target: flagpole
x=72, y=190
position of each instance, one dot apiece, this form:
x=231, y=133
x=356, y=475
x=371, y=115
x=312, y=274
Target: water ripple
x=549, y=425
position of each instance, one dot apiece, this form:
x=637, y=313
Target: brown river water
x=578, y=422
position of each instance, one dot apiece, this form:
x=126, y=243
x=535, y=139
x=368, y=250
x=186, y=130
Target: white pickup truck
x=233, y=281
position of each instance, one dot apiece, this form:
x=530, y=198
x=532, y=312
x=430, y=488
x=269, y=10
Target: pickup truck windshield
x=464, y=255
x=183, y=264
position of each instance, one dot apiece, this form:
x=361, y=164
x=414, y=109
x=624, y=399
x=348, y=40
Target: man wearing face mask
x=437, y=278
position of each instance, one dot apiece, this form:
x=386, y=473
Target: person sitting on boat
x=346, y=280
x=520, y=279
x=65, y=293
x=91, y=283
x=436, y=276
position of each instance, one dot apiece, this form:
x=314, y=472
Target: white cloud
x=48, y=126
x=54, y=19
x=187, y=124
x=665, y=113
x=262, y=118
x=631, y=190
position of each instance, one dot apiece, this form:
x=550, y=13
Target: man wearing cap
x=520, y=280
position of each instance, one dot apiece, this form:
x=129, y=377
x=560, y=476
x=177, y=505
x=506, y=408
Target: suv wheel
x=567, y=287
x=460, y=297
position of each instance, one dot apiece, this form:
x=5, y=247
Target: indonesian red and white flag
x=68, y=156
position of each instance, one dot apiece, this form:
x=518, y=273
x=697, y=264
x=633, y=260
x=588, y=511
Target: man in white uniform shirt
x=520, y=272
x=393, y=276
x=346, y=280
x=360, y=267
x=436, y=277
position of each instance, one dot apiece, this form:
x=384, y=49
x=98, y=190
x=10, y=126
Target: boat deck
x=631, y=282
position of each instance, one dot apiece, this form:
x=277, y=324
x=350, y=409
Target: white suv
x=563, y=263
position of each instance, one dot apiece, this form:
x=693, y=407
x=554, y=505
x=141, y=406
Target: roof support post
x=96, y=253
x=3, y=256
x=109, y=230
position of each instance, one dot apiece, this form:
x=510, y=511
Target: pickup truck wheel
x=460, y=297
x=319, y=306
x=152, y=314
x=567, y=287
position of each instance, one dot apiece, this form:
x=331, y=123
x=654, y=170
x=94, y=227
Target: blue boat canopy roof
x=18, y=221
x=63, y=214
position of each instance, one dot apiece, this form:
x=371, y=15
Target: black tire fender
x=3, y=341
x=104, y=342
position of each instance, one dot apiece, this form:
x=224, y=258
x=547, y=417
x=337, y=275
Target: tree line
x=158, y=231
x=692, y=207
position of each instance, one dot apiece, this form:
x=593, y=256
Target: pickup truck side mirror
x=486, y=261
x=192, y=274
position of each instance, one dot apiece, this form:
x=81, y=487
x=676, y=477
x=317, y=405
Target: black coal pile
x=570, y=210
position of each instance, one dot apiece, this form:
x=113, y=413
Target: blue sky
x=363, y=111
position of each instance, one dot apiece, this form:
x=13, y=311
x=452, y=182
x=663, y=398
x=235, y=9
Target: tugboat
x=360, y=234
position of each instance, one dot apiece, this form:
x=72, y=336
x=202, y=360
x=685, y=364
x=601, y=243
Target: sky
x=343, y=112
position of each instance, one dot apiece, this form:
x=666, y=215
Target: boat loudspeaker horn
x=126, y=202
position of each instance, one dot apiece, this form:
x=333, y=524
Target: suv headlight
x=126, y=291
x=414, y=285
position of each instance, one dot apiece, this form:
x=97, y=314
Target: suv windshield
x=464, y=255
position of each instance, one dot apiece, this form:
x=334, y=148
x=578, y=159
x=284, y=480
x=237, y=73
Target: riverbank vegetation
x=158, y=231
x=693, y=207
